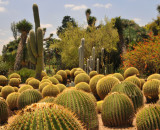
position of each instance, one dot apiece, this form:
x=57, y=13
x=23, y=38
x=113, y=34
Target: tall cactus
x=98, y=65
x=94, y=57
x=102, y=60
x=35, y=44
x=81, y=54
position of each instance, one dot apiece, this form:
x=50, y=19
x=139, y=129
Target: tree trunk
x=19, y=56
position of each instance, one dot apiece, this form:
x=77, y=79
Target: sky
x=52, y=12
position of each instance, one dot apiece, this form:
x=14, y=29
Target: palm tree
x=23, y=27
x=91, y=20
x=88, y=13
x=158, y=9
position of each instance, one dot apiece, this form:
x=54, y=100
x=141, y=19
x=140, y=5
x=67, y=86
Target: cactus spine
x=35, y=44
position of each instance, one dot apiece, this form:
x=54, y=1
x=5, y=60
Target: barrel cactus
x=59, y=78
x=154, y=76
x=45, y=77
x=77, y=72
x=50, y=90
x=42, y=85
x=15, y=89
x=93, y=73
x=130, y=72
x=14, y=82
x=150, y=90
x=61, y=87
x=46, y=80
x=117, y=110
x=93, y=83
x=3, y=80
x=68, y=73
x=81, y=104
x=14, y=75
x=64, y=75
x=142, y=83
x=3, y=111
x=118, y=76
x=99, y=106
x=53, y=80
x=105, y=85
x=34, y=83
x=28, y=97
x=47, y=100
x=24, y=87
x=148, y=118
x=83, y=86
x=134, y=80
x=43, y=116
x=83, y=77
x=132, y=91
x=1, y=88
x=29, y=80
x=6, y=90
x=43, y=74
x=72, y=72
x=12, y=100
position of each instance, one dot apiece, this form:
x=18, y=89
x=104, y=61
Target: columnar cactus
x=97, y=65
x=42, y=116
x=50, y=90
x=102, y=60
x=35, y=44
x=88, y=65
x=130, y=72
x=117, y=110
x=3, y=80
x=3, y=111
x=94, y=57
x=81, y=53
x=91, y=63
x=81, y=104
x=148, y=118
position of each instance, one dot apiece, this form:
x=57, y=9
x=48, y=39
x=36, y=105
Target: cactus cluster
x=130, y=72
x=6, y=90
x=46, y=117
x=118, y=76
x=59, y=78
x=50, y=90
x=93, y=73
x=46, y=80
x=61, y=87
x=64, y=75
x=117, y=110
x=83, y=86
x=29, y=80
x=3, y=80
x=14, y=75
x=34, y=83
x=24, y=87
x=53, y=80
x=81, y=104
x=83, y=77
x=42, y=85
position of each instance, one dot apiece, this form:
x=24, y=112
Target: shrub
x=4, y=67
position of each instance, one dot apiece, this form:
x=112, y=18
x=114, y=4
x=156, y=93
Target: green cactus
x=105, y=85
x=148, y=118
x=61, y=87
x=29, y=79
x=28, y=97
x=83, y=77
x=42, y=85
x=1, y=88
x=12, y=100
x=78, y=72
x=93, y=73
x=68, y=73
x=142, y=83
x=42, y=116
x=64, y=75
x=81, y=104
x=43, y=74
x=24, y=87
x=154, y=76
x=14, y=82
x=3, y=80
x=15, y=89
x=93, y=83
x=6, y=90
x=59, y=78
x=14, y=75
x=99, y=106
x=46, y=80
x=118, y=76
x=53, y=80
x=150, y=90
x=47, y=99
x=130, y=72
x=117, y=110
x=132, y=91
x=3, y=111
x=35, y=44
x=72, y=72
x=83, y=86
x=50, y=90
x=34, y=83
x=134, y=80
x=45, y=77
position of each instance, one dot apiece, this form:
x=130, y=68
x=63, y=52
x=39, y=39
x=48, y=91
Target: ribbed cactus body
x=61, y=87
x=3, y=111
x=59, y=78
x=47, y=100
x=12, y=100
x=50, y=90
x=130, y=72
x=24, y=87
x=6, y=90
x=45, y=77
x=132, y=91
x=72, y=72
x=83, y=86
x=29, y=80
x=148, y=118
x=99, y=106
x=28, y=97
x=14, y=75
x=46, y=117
x=15, y=89
x=154, y=76
x=93, y=73
x=64, y=75
x=34, y=83
x=53, y=80
x=134, y=80
x=105, y=85
x=117, y=110
x=3, y=80
x=77, y=72
x=81, y=104
x=142, y=83
x=68, y=73
x=118, y=76
x=83, y=77
x=14, y=82
x=40, y=42
x=46, y=80
x=42, y=85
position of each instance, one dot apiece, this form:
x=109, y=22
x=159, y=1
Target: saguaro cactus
x=35, y=44
x=81, y=54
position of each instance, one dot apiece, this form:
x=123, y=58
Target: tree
x=91, y=20
x=23, y=27
x=14, y=30
x=158, y=9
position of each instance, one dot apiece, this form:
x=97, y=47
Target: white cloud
x=75, y=7
x=46, y=25
x=102, y=6
x=137, y=20
x=2, y=9
x=140, y=21
x=4, y=2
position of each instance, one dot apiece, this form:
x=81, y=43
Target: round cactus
x=59, y=78
x=43, y=116
x=3, y=80
x=45, y=77
x=105, y=85
x=72, y=72
x=142, y=83
x=93, y=83
x=15, y=89
x=150, y=90
x=47, y=100
x=148, y=118
x=43, y=74
x=77, y=72
x=99, y=106
x=132, y=91
x=3, y=111
x=6, y=90
x=130, y=72
x=117, y=110
x=34, y=83
x=63, y=74
x=83, y=77
x=14, y=82
x=42, y=85
x=24, y=87
x=1, y=88
x=14, y=75
x=61, y=87
x=83, y=86
x=50, y=90
x=134, y=80
x=118, y=76
x=12, y=100
x=93, y=73
x=28, y=97
x=81, y=104
x=53, y=80
x=29, y=79
x=68, y=73
x=154, y=76
x=46, y=80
